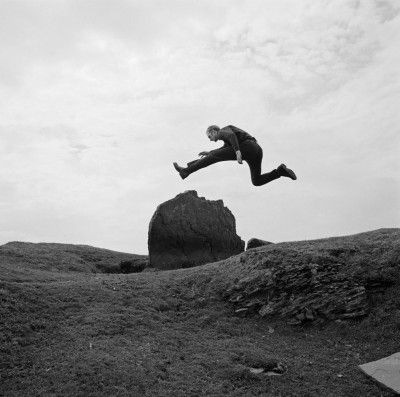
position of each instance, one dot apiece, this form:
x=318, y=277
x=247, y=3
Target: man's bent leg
x=259, y=180
x=253, y=155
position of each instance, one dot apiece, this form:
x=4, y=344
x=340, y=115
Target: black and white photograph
x=199, y=198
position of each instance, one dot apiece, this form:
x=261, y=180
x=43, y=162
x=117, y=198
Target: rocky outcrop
x=313, y=281
x=305, y=292
x=133, y=265
x=256, y=242
x=189, y=230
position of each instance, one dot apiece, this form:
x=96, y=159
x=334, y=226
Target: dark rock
x=189, y=231
x=312, y=282
x=133, y=265
x=301, y=293
x=256, y=242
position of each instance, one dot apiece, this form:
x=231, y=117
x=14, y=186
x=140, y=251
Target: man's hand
x=202, y=154
x=239, y=157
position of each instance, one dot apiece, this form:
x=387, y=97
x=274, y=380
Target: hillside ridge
x=183, y=332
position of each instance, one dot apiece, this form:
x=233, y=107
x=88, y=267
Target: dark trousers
x=252, y=154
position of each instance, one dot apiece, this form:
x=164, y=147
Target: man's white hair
x=212, y=128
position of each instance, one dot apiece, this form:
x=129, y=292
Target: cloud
x=98, y=99
x=305, y=48
x=86, y=33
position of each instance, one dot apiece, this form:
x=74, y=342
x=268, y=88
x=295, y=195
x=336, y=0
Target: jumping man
x=239, y=146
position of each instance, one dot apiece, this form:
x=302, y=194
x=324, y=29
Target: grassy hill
x=20, y=260
x=64, y=331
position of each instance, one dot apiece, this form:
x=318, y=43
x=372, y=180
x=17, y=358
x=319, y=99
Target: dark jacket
x=234, y=136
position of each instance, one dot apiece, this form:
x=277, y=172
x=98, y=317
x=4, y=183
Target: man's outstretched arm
x=213, y=151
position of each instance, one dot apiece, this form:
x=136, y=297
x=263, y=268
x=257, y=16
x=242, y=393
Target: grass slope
x=21, y=259
x=171, y=334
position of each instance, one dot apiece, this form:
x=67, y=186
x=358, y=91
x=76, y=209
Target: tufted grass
x=64, y=333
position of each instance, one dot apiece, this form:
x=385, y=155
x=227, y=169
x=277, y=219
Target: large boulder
x=189, y=231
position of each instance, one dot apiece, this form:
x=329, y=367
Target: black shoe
x=284, y=171
x=182, y=171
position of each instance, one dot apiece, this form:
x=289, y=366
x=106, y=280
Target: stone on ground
x=256, y=242
x=386, y=371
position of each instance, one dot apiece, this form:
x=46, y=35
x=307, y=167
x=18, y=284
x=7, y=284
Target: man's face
x=213, y=135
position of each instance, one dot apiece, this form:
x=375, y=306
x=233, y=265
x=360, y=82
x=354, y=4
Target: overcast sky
x=98, y=98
